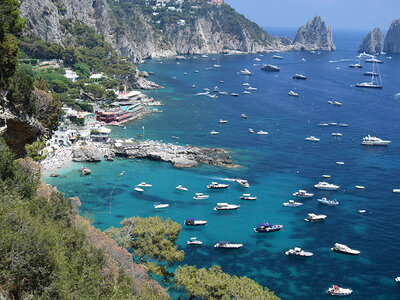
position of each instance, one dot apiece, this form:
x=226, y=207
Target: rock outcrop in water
x=372, y=42
x=87, y=154
x=315, y=35
x=392, y=40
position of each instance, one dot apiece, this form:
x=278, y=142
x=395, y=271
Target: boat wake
x=396, y=96
x=341, y=60
x=202, y=94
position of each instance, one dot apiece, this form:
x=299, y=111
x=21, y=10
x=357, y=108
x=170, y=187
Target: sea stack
x=392, y=40
x=372, y=42
x=315, y=35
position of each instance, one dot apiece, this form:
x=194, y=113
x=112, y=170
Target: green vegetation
x=33, y=150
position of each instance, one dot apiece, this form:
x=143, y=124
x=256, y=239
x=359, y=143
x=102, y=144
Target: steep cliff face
x=392, y=40
x=315, y=35
x=373, y=42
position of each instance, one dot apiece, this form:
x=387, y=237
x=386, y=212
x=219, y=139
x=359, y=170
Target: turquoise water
x=275, y=165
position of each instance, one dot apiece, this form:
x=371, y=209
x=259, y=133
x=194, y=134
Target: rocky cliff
x=315, y=35
x=392, y=40
x=372, y=42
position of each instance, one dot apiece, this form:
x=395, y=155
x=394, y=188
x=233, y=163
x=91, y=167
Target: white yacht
x=262, y=132
x=343, y=125
x=213, y=132
x=344, y=249
x=315, y=218
x=223, y=93
x=340, y=163
x=324, y=200
x=243, y=182
x=248, y=197
x=227, y=245
x=257, y=59
x=294, y=94
x=234, y=94
x=246, y=92
x=161, y=205
x=323, y=185
x=339, y=291
x=251, y=130
x=336, y=134
x=246, y=84
x=323, y=124
x=217, y=186
x=181, y=188
x=138, y=189
x=397, y=279
x=337, y=103
x=277, y=57
x=245, y=72
x=292, y=203
x=299, y=76
x=217, y=66
x=144, y=184
x=194, y=242
x=223, y=121
x=326, y=176
x=250, y=88
x=396, y=190
x=374, y=60
x=194, y=222
x=312, y=138
x=200, y=196
x=226, y=206
x=374, y=141
x=355, y=66
x=298, y=252
x=303, y=194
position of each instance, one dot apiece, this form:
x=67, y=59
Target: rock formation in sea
x=392, y=40
x=315, y=35
x=87, y=154
x=372, y=42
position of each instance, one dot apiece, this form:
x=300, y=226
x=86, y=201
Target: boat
x=248, y=197
x=246, y=84
x=217, y=66
x=370, y=73
x=217, y=186
x=344, y=249
x=323, y=124
x=223, y=93
x=221, y=81
x=270, y=68
x=323, y=185
x=294, y=94
x=243, y=116
x=340, y=163
x=292, y=203
x=181, y=188
x=326, y=176
x=251, y=130
x=257, y=59
x=397, y=279
x=337, y=103
x=262, y=132
x=144, y=184
x=332, y=123
x=339, y=291
x=245, y=72
x=355, y=66
x=194, y=242
x=266, y=227
x=200, y=196
x=328, y=202
x=343, y=125
x=194, y=222
x=138, y=189
x=297, y=251
x=246, y=92
x=193, y=86
x=206, y=89
x=234, y=95
x=243, y=182
x=374, y=141
x=250, y=88
x=336, y=134
x=215, y=89
x=303, y=194
x=315, y=218
x=360, y=187
x=396, y=190
x=374, y=61
x=213, y=132
x=227, y=245
x=277, y=57
x=369, y=85
x=226, y=206
x=223, y=121
x=161, y=205
x=299, y=76
x=312, y=138
x=330, y=102
x=196, y=71
x=376, y=81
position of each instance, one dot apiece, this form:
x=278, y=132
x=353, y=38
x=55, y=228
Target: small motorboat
x=243, y=116
x=248, y=197
x=226, y=206
x=227, y=245
x=243, y=182
x=360, y=187
x=299, y=76
x=335, y=134
x=294, y=94
x=138, y=189
x=181, y=188
x=323, y=185
x=303, y=194
x=339, y=291
x=245, y=72
x=330, y=102
x=206, y=89
x=315, y=218
x=257, y=59
x=200, y=196
x=397, y=279
x=343, y=125
x=250, y=88
x=161, y=205
x=196, y=71
x=223, y=121
x=217, y=66
x=217, y=186
x=194, y=242
x=251, y=130
x=337, y=103
x=374, y=60
x=396, y=190
x=262, y=132
x=355, y=66
x=246, y=92
x=312, y=138
x=340, y=163
x=277, y=57
x=266, y=227
x=234, y=94
x=323, y=124
x=328, y=202
x=223, y=93
x=326, y=176
x=213, y=132
x=292, y=203
x=144, y=185
x=340, y=248
x=194, y=222
x=221, y=81
x=246, y=84
x=297, y=251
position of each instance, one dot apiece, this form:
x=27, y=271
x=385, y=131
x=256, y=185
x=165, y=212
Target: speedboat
x=246, y=84
x=138, y=189
x=328, y=202
x=396, y=190
x=250, y=88
x=343, y=125
x=266, y=227
x=161, y=205
x=221, y=81
x=194, y=222
x=397, y=279
x=215, y=89
x=323, y=124
x=332, y=123
x=299, y=76
x=144, y=184
x=243, y=182
x=344, y=249
x=374, y=141
x=234, y=95
x=337, y=103
x=246, y=92
x=251, y=130
x=248, y=197
x=243, y=116
x=292, y=203
x=360, y=187
x=294, y=94
x=226, y=206
x=206, y=89
x=200, y=196
x=298, y=252
x=213, y=132
x=277, y=57
x=181, y=188
x=340, y=163
x=257, y=59
x=339, y=291
x=217, y=186
x=315, y=218
x=336, y=134
x=303, y=194
x=196, y=71
x=323, y=185
x=194, y=242
x=223, y=121
x=245, y=72
x=227, y=245
x=217, y=66
x=223, y=93
x=262, y=132
x=355, y=66
x=326, y=176
x=330, y=102
x=312, y=138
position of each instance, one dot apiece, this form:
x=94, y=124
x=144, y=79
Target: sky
x=340, y=14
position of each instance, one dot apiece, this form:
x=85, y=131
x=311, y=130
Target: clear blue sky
x=341, y=14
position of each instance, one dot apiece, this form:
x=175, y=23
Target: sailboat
x=376, y=81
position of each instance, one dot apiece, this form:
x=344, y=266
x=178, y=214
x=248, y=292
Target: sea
x=276, y=165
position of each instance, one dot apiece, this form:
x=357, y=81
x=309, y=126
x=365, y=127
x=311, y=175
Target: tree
x=152, y=241
x=215, y=284
x=110, y=95
x=20, y=92
x=34, y=149
x=82, y=69
x=59, y=86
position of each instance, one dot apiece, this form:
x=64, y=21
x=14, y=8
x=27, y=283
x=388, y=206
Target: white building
x=64, y=136
x=181, y=22
x=71, y=75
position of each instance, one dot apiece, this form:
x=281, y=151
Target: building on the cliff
x=217, y=2
x=71, y=75
x=100, y=134
x=64, y=136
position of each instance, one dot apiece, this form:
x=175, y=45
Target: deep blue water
x=275, y=165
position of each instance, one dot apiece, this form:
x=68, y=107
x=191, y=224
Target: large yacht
x=194, y=222
x=344, y=249
x=266, y=227
x=328, y=202
x=243, y=182
x=200, y=196
x=298, y=252
x=374, y=141
x=245, y=72
x=315, y=218
x=339, y=291
x=226, y=206
x=292, y=203
x=217, y=186
x=227, y=245
x=323, y=185
x=303, y=194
